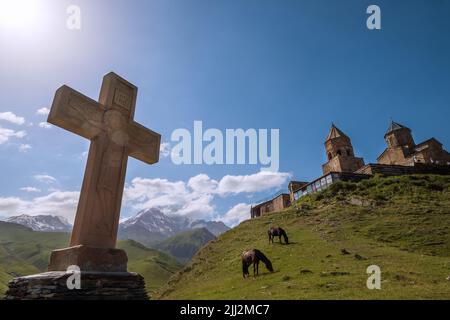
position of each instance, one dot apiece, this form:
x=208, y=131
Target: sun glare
x=18, y=13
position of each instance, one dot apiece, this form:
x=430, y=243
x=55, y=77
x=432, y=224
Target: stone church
x=402, y=150
x=402, y=156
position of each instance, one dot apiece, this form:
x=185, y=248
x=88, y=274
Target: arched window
x=339, y=152
x=349, y=153
x=329, y=156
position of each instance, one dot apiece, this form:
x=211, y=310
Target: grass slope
x=401, y=224
x=25, y=252
x=156, y=267
x=185, y=245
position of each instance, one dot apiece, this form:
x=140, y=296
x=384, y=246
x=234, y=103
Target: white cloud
x=203, y=183
x=236, y=214
x=44, y=178
x=43, y=111
x=261, y=181
x=172, y=198
x=30, y=189
x=6, y=134
x=24, y=147
x=164, y=149
x=10, y=206
x=45, y=125
x=11, y=117
x=195, y=198
x=62, y=203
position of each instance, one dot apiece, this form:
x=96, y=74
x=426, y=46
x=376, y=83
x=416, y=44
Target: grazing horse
x=277, y=232
x=253, y=257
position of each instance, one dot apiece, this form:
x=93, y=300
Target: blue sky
x=291, y=65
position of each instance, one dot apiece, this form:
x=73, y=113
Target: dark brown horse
x=253, y=257
x=277, y=232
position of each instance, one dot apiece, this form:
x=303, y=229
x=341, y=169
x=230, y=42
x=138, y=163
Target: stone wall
x=94, y=286
x=396, y=170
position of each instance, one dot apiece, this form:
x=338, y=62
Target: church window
x=349, y=152
x=339, y=152
x=329, y=156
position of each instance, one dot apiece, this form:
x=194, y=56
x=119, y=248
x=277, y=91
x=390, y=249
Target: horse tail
x=284, y=234
x=264, y=259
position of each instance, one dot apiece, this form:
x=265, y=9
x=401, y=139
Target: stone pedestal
x=94, y=286
x=89, y=259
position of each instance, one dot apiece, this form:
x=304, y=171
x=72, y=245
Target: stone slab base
x=89, y=259
x=94, y=286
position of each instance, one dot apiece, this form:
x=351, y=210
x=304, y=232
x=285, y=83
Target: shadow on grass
x=284, y=244
x=264, y=274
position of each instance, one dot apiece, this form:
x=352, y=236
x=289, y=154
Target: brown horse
x=277, y=232
x=253, y=257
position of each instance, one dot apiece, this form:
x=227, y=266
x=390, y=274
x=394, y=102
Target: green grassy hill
x=185, y=245
x=401, y=224
x=24, y=252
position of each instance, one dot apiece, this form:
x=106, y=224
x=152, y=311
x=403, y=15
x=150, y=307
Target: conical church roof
x=395, y=126
x=335, y=133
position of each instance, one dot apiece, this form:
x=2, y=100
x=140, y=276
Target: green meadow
x=25, y=252
x=401, y=224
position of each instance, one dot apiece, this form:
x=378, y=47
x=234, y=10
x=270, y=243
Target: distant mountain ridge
x=185, y=245
x=151, y=226
x=147, y=226
x=44, y=223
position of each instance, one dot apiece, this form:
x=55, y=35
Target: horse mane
x=264, y=259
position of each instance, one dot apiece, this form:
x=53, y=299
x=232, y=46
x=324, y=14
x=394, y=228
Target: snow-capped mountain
x=45, y=223
x=147, y=227
x=151, y=225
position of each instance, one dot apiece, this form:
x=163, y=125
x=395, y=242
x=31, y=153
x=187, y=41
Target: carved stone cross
x=114, y=136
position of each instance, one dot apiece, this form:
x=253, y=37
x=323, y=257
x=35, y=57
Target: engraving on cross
x=114, y=136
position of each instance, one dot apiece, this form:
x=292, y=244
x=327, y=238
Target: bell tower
x=398, y=135
x=340, y=155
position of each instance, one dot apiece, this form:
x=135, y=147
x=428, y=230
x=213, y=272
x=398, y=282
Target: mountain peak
x=152, y=225
x=47, y=223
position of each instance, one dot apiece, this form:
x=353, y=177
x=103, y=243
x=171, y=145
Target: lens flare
x=18, y=13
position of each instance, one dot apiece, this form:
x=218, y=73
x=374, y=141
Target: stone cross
x=114, y=136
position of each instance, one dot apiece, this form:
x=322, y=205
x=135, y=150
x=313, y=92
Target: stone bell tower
x=401, y=147
x=398, y=135
x=340, y=155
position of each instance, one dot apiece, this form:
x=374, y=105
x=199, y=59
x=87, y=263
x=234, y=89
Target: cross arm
x=143, y=143
x=77, y=113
